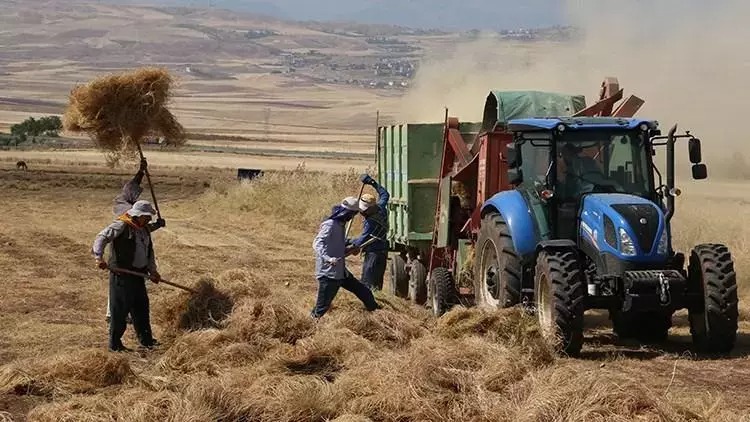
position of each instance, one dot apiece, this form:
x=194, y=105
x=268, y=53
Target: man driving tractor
x=580, y=172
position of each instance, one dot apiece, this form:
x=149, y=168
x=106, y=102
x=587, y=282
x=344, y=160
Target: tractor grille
x=633, y=214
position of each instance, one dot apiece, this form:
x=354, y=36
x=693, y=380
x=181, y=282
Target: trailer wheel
x=497, y=272
x=417, y=282
x=399, y=285
x=442, y=289
x=713, y=321
x=559, y=293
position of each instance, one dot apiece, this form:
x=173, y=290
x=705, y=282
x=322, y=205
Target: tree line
x=49, y=126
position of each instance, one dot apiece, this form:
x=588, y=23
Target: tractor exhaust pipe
x=670, y=173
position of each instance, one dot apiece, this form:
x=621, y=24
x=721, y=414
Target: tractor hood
x=627, y=226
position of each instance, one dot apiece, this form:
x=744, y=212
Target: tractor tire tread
x=443, y=291
x=718, y=283
x=565, y=279
x=399, y=285
x=418, y=283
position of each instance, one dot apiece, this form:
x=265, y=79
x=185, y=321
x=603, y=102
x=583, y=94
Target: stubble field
x=268, y=361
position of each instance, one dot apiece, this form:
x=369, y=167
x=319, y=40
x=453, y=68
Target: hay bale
x=117, y=111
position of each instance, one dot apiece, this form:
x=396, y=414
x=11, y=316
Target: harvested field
x=268, y=361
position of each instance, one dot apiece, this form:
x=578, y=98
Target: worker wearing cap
x=330, y=266
x=125, y=200
x=132, y=250
x=375, y=230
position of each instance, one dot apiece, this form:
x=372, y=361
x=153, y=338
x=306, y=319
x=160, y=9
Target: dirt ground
x=54, y=300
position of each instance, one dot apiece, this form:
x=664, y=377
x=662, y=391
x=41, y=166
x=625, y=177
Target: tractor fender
x=517, y=215
x=555, y=244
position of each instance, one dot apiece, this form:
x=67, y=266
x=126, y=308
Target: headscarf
x=341, y=214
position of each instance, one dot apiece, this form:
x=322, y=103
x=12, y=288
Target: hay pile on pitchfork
x=117, y=112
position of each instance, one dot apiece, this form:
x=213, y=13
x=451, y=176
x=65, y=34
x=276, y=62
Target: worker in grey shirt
x=125, y=200
x=330, y=266
x=132, y=250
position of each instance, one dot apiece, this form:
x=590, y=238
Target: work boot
x=152, y=345
x=119, y=348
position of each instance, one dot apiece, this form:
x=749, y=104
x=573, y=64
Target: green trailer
x=409, y=160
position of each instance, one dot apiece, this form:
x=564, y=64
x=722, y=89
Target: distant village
x=392, y=65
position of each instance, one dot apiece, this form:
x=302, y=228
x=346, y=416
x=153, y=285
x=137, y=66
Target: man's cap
x=142, y=208
x=367, y=201
x=350, y=203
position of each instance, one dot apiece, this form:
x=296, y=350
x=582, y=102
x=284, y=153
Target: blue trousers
x=373, y=269
x=328, y=288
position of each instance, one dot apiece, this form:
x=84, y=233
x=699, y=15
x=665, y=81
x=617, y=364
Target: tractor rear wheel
x=417, y=282
x=559, y=293
x=442, y=291
x=713, y=321
x=399, y=285
x=497, y=272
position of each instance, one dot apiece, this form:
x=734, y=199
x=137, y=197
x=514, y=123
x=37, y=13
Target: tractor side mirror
x=700, y=171
x=515, y=176
x=694, y=149
x=513, y=156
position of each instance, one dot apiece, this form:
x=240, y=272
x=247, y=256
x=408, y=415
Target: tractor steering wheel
x=610, y=186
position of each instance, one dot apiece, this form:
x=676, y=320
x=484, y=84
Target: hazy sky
x=448, y=14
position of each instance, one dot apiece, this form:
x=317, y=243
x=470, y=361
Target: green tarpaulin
x=502, y=106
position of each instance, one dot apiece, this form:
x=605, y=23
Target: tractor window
x=605, y=162
x=535, y=162
x=621, y=163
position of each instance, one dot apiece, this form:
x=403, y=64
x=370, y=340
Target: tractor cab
x=562, y=160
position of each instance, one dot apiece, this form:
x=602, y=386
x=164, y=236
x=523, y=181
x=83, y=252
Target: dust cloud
x=689, y=59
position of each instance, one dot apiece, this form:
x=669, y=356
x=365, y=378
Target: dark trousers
x=373, y=269
x=127, y=294
x=328, y=288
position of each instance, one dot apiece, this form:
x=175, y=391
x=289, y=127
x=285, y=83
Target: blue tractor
x=587, y=226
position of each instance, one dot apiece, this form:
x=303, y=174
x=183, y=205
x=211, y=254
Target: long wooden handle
x=349, y=226
x=150, y=185
x=137, y=274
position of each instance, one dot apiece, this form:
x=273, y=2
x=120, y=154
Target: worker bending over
x=330, y=255
x=125, y=200
x=132, y=250
x=374, y=234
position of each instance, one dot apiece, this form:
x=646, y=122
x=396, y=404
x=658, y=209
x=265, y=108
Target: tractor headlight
x=661, y=249
x=627, y=247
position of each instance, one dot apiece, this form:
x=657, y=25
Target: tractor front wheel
x=559, y=293
x=711, y=276
x=417, y=282
x=399, y=285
